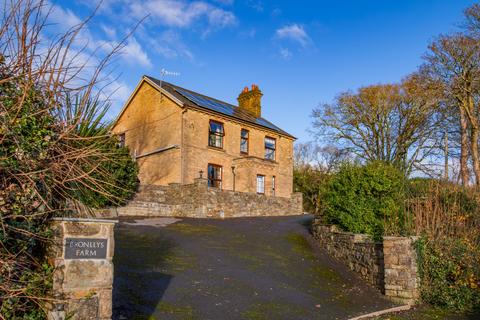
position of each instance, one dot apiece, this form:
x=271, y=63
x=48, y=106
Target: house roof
x=194, y=99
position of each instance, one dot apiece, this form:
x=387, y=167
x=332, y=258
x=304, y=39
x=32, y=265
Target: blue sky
x=300, y=53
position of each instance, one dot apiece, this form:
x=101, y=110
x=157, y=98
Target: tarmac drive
x=241, y=268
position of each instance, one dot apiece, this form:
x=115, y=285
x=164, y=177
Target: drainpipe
x=182, y=151
x=233, y=171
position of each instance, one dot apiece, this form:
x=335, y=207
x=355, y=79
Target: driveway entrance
x=244, y=268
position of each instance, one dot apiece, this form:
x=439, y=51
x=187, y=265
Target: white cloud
x=276, y=12
x=220, y=18
x=170, y=45
x=132, y=52
x=294, y=32
x=257, y=5
x=109, y=31
x=63, y=17
x=178, y=13
x=117, y=92
x=285, y=53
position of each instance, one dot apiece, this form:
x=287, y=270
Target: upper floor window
x=270, y=146
x=216, y=133
x=244, y=141
x=121, y=139
x=214, y=176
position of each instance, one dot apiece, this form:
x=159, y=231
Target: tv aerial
x=164, y=73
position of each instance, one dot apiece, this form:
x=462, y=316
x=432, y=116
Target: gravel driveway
x=243, y=268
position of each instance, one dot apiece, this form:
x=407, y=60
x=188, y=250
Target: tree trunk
x=464, y=174
x=475, y=157
x=445, y=150
x=474, y=139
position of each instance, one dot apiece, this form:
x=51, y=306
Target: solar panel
x=223, y=108
x=207, y=103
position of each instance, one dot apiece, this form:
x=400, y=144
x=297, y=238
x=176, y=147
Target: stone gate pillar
x=82, y=255
x=401, y=273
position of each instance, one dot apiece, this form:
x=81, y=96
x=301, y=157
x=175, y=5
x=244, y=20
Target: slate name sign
x=86, y=248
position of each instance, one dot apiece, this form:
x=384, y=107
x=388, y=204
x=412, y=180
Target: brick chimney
x=250, y=100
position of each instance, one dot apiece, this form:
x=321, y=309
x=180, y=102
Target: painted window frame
x=274, y=149
x=247, y=140
x=261, y=190
x=212, y=181
x=216, y=134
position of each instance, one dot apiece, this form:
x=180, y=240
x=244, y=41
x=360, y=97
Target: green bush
x=45, y=164
x=310, y=181
x=112, y=173
x=365, y=199
x=122, y=176
x=450, y=272
x=118, y=175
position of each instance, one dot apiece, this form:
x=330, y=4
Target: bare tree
x=393, y=123
x=41, y=170
x=455, y=61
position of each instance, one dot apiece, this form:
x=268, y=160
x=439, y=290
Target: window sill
x=270, y=160
x=216, y=148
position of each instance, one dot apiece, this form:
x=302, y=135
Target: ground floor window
x=260, y=184
x=214, y=176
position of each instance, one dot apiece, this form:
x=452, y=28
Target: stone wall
x=197, y=200
x=390, y=265
x=357, y=251
x=82, y=285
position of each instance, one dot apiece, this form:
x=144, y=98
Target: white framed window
x=260, y=184
x=244, y=141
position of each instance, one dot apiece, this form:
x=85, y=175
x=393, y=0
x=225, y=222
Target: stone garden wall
x=357, y=251
x=390, y=265
x=82, y=255
x=197, y=200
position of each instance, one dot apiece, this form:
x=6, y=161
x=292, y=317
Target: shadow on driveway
x=243, y=268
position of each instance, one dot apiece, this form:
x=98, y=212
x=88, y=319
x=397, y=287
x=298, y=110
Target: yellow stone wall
x=199, y=155
x=150, y=123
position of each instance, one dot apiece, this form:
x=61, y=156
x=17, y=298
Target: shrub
x=365, y=199
x=46, y=162
x=448, y=218
x=310, y=181
x=118, y=176
x=450, y=272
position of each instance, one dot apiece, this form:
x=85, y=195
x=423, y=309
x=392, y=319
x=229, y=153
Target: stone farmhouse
x=183, y=139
